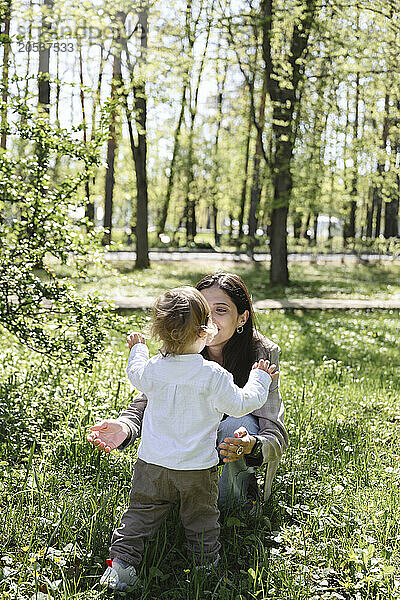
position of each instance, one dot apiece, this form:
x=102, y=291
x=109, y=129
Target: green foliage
x=38, y=229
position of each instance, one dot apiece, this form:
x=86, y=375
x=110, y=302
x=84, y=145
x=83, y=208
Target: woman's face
x=224, y=314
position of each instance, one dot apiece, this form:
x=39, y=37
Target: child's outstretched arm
x=235, y=401
x=138, y=359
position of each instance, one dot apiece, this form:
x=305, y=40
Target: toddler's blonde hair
x=179, y=315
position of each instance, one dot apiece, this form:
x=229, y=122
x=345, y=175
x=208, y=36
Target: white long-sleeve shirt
x=187, y=398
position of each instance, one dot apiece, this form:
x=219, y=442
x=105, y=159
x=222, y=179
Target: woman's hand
x=229, y=447
x=108, y=435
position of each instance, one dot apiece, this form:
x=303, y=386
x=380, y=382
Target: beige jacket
x=272, y=431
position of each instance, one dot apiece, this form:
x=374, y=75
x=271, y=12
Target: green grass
x=330, y=529
x=307, y=280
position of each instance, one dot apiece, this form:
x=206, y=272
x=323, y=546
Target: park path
x=206, y=255
x=126, y=304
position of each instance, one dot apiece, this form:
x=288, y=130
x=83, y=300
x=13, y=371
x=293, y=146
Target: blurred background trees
x=252, y=125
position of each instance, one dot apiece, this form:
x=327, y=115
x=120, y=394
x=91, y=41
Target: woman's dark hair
x=239, y=352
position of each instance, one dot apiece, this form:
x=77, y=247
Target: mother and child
x=213, y=384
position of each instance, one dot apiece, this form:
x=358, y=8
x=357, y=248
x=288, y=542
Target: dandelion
x=186, y=570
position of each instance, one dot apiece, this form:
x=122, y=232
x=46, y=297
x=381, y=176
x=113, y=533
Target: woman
x=244, y=443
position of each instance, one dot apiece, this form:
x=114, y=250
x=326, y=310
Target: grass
x=307, y=280
x=329, y=531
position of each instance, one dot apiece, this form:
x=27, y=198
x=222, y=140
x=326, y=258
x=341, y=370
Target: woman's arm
x=132, y=416
x=118, y=433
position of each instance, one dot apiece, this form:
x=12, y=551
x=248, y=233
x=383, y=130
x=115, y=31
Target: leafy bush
x=38, y=229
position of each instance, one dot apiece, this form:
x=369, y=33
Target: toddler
x=177, y=456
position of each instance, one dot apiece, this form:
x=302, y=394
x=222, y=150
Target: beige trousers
x=154, y=491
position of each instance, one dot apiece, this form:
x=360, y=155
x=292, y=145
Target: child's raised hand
x=265, y=366
x=135, y=338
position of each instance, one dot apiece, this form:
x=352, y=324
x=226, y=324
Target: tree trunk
x=214, y=188
x=28, y=56
x=391, y=218
x=392, y=207
x=190, y=203
x=297, y=225
x=190, y=38
x=354, y=184
x=279, y=273
x=330, y=227
x=44, y=58
x=345, y=168
x=377, y=196
x=304, y=232
x=370, y=213
x=6, y=16
x=165, y=206
x=140, y=154
x=90, y=207
x=111, y=146
x=255, y=194
x=284, y=101
x=139, y=150
x=245, y=176
x=316, y=215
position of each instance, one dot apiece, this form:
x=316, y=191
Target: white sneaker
x=119, y=576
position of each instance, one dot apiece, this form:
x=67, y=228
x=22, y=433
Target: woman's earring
x=239, y=329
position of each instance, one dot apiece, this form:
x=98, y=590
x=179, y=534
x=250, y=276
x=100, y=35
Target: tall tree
x=187, y=48
x=90, y=208
x=138, y=115
x=116, y=85
x=255, y=194
x=391, y=228
x=243, y=194
x=221, y=80
x=377, y=197
x=190, y=203
x=284, y=93
x=5, y=14
x=44, y=56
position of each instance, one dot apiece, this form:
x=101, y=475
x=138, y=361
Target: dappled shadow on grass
x=306, y=280
x=365, y=340
x=326, y=281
